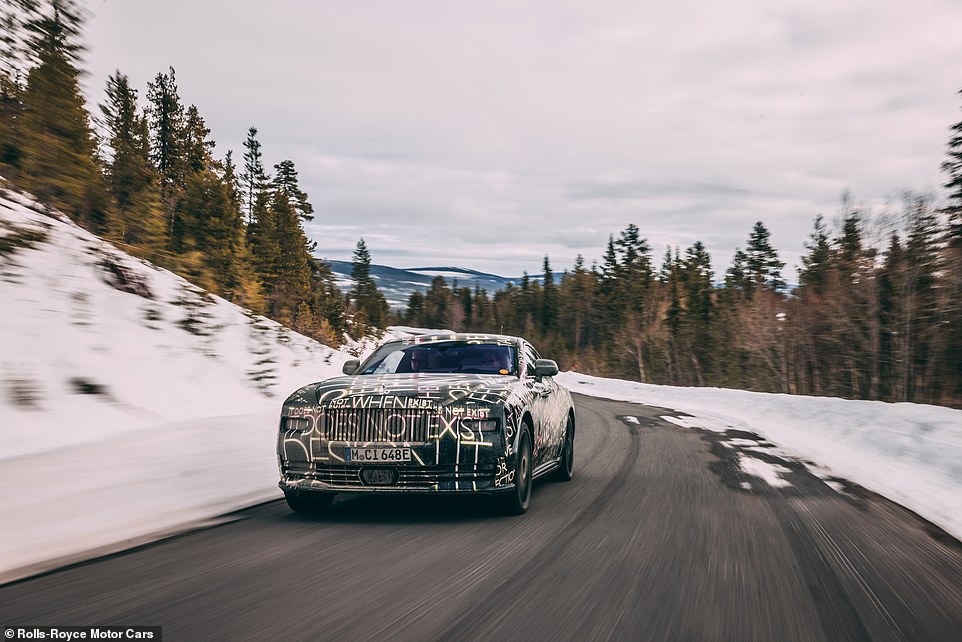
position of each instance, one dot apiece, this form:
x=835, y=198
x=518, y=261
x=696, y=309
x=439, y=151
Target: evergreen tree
x=166, y=115
x=952, y=167
x=254, y=182
x=292, y=281
x=371, y=308
x=549, y=298
x=56, y=144
x=762, y=267
x=15, y=54
x=285, y=179
x=131, y=179
x=951, y=268
x=816, y=264
x=166, y=119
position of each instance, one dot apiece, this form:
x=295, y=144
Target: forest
x=872, y=313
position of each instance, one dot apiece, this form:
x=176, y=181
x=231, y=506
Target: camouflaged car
x=435, y=414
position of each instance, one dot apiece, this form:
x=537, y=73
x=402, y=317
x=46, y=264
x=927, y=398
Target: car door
x=542, y=398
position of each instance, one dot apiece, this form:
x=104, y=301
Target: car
x=441, y=414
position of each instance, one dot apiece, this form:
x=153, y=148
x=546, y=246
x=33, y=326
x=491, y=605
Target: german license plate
x=379, y=455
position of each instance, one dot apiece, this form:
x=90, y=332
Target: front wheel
x=567, y=464
x=516, y=502
x=309, y=503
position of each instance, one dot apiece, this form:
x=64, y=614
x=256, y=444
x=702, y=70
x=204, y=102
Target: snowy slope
x=131, y=402
x=82, y=360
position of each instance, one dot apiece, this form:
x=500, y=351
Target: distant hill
x=397, y=284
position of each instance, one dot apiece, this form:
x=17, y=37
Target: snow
x=120, y=423
x=770, y=473
x=909, y=453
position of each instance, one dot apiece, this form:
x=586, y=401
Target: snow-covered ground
x=131, y=402
x=133, y=405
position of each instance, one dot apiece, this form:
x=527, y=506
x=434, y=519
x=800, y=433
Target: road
x=659, y=536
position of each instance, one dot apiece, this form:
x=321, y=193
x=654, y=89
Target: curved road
x=659, y=536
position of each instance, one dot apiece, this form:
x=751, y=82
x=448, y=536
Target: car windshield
x=448, y=356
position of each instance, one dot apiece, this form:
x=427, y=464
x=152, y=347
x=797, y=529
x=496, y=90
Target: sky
x=488, y=134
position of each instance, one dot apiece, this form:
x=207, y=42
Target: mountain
x=397, y=284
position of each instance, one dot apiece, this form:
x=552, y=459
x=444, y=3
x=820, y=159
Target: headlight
x=299, y=424
x=485, y=425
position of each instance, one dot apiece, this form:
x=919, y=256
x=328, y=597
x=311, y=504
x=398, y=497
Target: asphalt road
x=659, y=536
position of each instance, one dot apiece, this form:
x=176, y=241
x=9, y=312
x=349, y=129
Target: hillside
x=96, y=342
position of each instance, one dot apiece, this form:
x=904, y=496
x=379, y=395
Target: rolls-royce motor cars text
x=435, y=414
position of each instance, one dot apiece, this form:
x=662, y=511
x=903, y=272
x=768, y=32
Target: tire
x=516, y=502
x=309, y=503
x=567, y=463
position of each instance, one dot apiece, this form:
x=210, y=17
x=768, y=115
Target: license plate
x=379, y=455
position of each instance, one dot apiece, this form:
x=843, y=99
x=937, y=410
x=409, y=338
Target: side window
x=528, y=356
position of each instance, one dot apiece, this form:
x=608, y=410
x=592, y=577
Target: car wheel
x=516, y=502
x=567, y=463
x=309, y=503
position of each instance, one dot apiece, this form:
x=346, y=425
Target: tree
x=292, y=280
x=371, y=308
x=952, y=167
x=131, y=178
x=166, y=114
x=816, y=263
x=56, y=144
x=254, y=182
x=549, y=298
x=15, y=54
x=762, y=266
x=285, y=179
x=952, y=262
x=166, y=119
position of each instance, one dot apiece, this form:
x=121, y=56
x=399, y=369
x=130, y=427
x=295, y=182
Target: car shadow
x=407, y=509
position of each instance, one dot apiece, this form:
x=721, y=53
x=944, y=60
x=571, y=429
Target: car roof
x=458, y=336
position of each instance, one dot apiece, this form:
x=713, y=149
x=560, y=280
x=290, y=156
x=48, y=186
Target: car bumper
x=438, y=479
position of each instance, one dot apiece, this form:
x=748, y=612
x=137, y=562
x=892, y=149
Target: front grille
x=376, y=425
x=435, y=477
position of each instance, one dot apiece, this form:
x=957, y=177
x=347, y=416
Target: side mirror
x=545, y=368
x=350, y=366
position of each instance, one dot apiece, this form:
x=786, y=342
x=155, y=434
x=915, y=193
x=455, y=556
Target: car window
x=447, y=356
x=530, y=355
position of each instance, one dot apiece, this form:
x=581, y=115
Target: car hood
x=396, y=390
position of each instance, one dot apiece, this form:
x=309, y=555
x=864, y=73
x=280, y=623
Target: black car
x=437, y=414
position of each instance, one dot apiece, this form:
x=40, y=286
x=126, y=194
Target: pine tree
x=15, y=52
x=166, y=119
x=254, y=182
x=131, y=179
x=371, y=308
x=952, y=167
x=549, y=298
x=166, y=115
x=56, y=144
x=292, y=282
x=951, y=267
x=285, y=179
x=816, y=263
x=762, y=266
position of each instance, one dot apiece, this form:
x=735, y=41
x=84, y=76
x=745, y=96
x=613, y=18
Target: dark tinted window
x=448, y=356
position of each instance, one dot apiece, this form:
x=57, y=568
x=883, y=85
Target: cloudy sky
x=486, y=134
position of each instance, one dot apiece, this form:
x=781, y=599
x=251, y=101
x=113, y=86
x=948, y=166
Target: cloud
x=489, y=134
